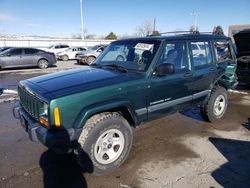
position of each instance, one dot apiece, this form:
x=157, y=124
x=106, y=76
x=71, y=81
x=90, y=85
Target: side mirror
x=164, y=69
x=8, y=54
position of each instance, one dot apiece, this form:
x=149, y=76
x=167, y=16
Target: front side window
x=175, y=53
x=133, y=54
x=201, y=53
x=16, y=52
x=222, y=51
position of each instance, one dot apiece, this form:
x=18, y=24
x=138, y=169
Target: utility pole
x=154, y=23
x=195, y=15
x=82, y=35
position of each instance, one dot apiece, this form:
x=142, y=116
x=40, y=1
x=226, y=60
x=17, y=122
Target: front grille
x=29, y=102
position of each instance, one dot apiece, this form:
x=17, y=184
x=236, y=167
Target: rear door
x=171, y=92
x=204, y=67
x=29, y=57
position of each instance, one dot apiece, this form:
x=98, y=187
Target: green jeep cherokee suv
x=92, y=110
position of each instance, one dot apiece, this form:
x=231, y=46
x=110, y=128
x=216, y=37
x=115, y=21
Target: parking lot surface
x=180, y=150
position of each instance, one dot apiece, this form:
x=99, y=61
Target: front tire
x=90, y=59
x=107, y=140
x=216, y=106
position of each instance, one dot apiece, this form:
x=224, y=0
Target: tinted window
x=64, y=46
x=175, y=53
x=222, y=51
x=201, y=54
x=30, y=51
x=16, y=52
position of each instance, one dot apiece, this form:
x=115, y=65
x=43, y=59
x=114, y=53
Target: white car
x=70, y=53
x=56, y=48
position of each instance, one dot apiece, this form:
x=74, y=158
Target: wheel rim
x=109, y=146
x=43, y=64
x=91, y=59
x=219, y=105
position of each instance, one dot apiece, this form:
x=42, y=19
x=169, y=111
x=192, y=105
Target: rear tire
x=216, y=106
x=43, y=64
x=107, y=140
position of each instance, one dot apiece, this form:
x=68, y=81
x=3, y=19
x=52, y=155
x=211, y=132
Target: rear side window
x=201, y=53
x=30, y=51
x=16, y=52
x=222, y=51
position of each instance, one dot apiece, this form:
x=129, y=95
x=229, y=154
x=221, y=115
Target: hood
x=242, y=41
x=79, y=80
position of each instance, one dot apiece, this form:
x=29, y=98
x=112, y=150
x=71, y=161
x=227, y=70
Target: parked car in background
x=4, y=48
x=242, y=41
x=90, y=55
x=70, y=53
x=56, y=48
x=26, y=57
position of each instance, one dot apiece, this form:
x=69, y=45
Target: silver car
x=87, y=57
x=26, y=57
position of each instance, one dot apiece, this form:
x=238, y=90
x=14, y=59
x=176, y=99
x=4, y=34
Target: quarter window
x=201, y=53
x=222, y=51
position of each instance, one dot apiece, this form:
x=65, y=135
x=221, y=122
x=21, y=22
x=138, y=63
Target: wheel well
x=91, y=56
x=124, y=111
x=41, y=59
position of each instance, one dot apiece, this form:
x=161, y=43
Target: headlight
x=45, y=110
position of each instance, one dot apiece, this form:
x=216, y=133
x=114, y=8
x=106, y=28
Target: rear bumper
x=61, y=141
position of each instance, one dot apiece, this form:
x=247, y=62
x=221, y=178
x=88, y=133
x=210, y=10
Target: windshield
x=131, y=54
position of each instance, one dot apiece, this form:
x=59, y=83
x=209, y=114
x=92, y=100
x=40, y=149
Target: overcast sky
x=53, y=17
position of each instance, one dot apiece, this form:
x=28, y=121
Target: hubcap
x=109, y=146
x=219, y=105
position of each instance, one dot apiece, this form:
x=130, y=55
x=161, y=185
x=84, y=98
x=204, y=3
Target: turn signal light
x=43, y=121
x=57, y=117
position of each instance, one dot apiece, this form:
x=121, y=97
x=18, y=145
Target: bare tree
x=146, y=28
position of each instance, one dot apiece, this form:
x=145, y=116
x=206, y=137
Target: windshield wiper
x=117, y=67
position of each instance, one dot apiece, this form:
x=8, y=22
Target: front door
x=173, y=91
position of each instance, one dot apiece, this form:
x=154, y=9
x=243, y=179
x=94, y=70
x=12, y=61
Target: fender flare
x=96, y=108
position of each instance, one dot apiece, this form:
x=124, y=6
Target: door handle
x=188, y=74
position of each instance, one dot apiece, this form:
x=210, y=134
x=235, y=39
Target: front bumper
x=61, y=141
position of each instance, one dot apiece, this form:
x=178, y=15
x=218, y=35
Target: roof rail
x=180, y=32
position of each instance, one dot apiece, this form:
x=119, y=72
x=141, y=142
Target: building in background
x=233, y=29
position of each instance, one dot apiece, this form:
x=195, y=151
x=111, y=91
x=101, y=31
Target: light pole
x=82, y=35
x=195, y=15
